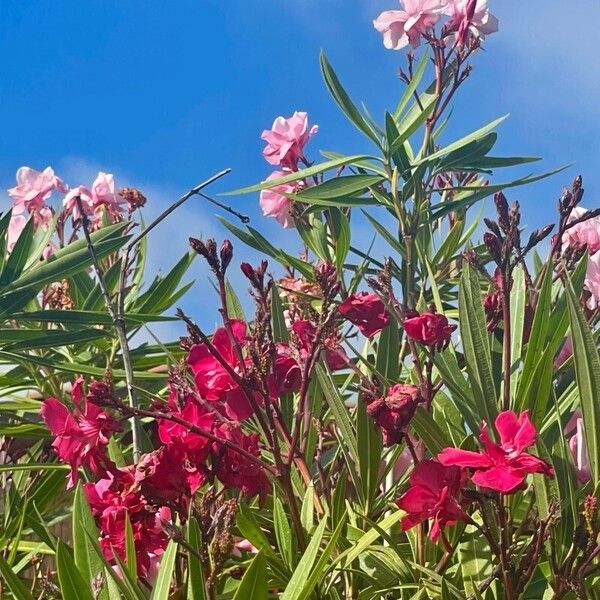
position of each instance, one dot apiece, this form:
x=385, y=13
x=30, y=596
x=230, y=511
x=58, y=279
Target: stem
x=119, y=325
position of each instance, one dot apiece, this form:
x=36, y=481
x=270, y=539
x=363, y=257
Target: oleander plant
x=412, y=414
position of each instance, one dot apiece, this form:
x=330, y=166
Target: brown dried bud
x=100, y=393
x=135, y=199
x=537, y=236
x=226, y=254
x=57, y=296
x=208, y=250
x=326, y=276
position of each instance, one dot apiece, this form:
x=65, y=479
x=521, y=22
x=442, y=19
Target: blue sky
x=163, y=94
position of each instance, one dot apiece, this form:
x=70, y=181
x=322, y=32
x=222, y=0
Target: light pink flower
x=34, y=188
x=275, y=204
x=587, y=232
x=286, y=140
x=469, y=18
x=578, y=447
x=15, y=227
x=101, y=196
x=403, y=27
x=592, y=281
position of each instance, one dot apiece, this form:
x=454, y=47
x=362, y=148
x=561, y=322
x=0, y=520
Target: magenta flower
x=434, y=494
x=502, y=467
x=81, y=436
x=469, y=18
x=403, y=27
x=216, y=383
x=286, y=140
x=366, y=311
x=275, y=204
x=429, y=328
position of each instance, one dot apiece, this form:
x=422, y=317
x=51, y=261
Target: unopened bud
x=493, y=227
x=502, y=209
x=226, y=254
x=494, y=246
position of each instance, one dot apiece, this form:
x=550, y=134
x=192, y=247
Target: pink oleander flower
x=34, y=188
x=15, y=227
x=101, y=196
x=502, y=467
x=392, y=413
x=592, y=281
x=469, y=18
x=275, y=204
x=235, y=470
x=403, y=27
x=429, y=328
x=575, y=430
x=434, y=494
x=286, y=140
x=81, y=435
x=214, y=382
x=585, y=233
x=366, y=311
x=286, y=377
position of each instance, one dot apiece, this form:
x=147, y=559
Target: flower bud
x=226, y=254
x=494, y=246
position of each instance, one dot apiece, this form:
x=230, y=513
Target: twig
x=176, y=205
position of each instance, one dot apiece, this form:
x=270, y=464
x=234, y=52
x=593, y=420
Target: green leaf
x=413, y=85
x=72, y=584
x=162, y=585
x=587, y=371
x=302, y=174
x=474, y=337
x=343, y=100
x=86, y=559
x=283, y=532
x=196, y=585
x=130, y=557
x=338, y=187
x=234, y=306
x=86, y=317
x=13, y=582
x=475, y=561
x=254, y=582
x=518, y=300
x=293, y=590
x=18, y=257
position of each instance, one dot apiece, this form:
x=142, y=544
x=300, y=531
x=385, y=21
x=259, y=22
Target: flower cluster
x=100, y=201
x=285, y=149
x=466, y=20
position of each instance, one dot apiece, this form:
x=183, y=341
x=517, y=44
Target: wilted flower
x=434, y=494
x=275, y=204
x=235, y=470
x=286, y=140
x=392, y=413
x=469, y=18
x=366, y=311
x=403, y=27
x=429, y=328
x=504, y=466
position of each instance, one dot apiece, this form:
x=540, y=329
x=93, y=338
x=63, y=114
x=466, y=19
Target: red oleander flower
x=335, y=356
x=286, y=377
x=502, y=467
x=235, y=470
x=492, y=305
x=366, y=311
x=434, y=494
x=116, y=497
x=195, y=444
x=393, y=413
x=429, y=328
x=81, y=435
x=168, y=475
x=213, y=380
